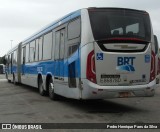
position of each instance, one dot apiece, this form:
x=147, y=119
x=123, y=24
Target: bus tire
x=41, y=87
x=52, y=95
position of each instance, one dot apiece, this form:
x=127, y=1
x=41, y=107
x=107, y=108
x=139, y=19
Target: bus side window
x=40, y=48
x=62, y=43
x=32, y=51
x=74, y=33
x=72, y=49
x=47, y=48
x=57, y=44
x=27, y=56
x=36, y=51
x=15, y=58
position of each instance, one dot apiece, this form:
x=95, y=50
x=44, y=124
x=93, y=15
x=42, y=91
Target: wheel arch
x=48, y=77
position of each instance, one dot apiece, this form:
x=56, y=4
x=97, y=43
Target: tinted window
x=110, y=23
x=62, y=43
x=36, y=54
x=40, y=48
x=47, y=46
x=32, y=51
x=57, y=43
x=74, y=29
x=72, y=49
x=27, y=53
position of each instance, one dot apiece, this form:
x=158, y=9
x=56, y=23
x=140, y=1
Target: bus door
x=59, y=54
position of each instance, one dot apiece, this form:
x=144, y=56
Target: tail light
x=152, y=71
x=91, y=70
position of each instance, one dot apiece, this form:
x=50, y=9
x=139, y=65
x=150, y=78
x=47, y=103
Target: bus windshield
x=120, y=23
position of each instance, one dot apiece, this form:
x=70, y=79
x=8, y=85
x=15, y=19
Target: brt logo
x=125, y=61
x=125, y=64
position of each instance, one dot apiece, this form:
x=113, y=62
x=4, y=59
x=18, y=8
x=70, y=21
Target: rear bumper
x=94, y=91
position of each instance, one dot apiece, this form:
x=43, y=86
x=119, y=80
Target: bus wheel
x=41, y=87
x=52, y=95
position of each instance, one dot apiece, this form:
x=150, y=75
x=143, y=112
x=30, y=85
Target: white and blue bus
x=93, y=53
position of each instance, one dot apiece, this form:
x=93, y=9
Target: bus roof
x=65, y=19
x=52, y=25
x=116, y=8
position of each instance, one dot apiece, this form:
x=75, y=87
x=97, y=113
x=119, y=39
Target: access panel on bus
x=122, y=49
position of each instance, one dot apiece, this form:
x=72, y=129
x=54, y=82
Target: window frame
x=30, y=44
x=40, y=59
x=75, y=41
x=36, y=50
x=43, y=45
x=77, y=18
x=27, y=56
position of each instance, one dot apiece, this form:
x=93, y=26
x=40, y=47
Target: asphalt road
x=23, y=104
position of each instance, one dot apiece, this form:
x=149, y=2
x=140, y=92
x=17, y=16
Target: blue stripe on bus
x=51, y=66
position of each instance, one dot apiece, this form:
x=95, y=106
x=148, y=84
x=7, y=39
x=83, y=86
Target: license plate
x=110, y=78
x=124, y=94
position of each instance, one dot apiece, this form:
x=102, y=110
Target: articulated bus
x=92, y=53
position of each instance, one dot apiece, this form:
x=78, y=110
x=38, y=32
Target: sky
x=21, y=18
